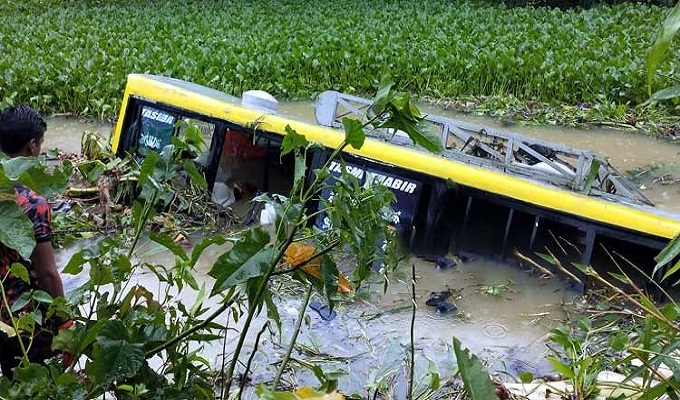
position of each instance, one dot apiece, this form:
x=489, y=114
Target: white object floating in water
x=260, y=100
x=268, y=215
x=223, y=195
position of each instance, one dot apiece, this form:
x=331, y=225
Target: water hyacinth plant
x=73, y=56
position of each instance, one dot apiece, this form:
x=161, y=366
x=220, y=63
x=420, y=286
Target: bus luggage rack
x=517, y=155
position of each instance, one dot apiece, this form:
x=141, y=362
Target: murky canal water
x=503, y=313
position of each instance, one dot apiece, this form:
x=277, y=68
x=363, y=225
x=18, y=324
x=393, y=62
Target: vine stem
x=412, y=348
x=190, y=331
x=253, y=308
x=270, y=271
x=12, y=319
x=298, y=324
x=250, y=360
x=224, y=356
x=142, y=222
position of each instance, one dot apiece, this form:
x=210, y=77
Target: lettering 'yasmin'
x=372, y=178
x=158, y=116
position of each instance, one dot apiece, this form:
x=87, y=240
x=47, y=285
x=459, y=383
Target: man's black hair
x=18, y=126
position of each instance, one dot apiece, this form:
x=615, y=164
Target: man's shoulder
x=25, y=195
x=34, y=205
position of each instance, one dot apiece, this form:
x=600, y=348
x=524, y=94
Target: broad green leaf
x=292, y=141
x=16, y=231
x=665, y=94
x=37, y=316
x=31, y=172
x=115, y=359
x=147, y=168
x=77, y=261
x=92, y=170
x=204, y=244
x=42, y=297
x=561, y=367
x=354, y=132
x=383, y=93
x=475, y=377
x=663, y=39
x=19, y=271
x=167, y=242
x=196, y=177
x=15, y=167
x=21, y=302
x=67, y=340
x=250, y=257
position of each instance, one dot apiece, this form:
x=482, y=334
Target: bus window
x=156, y=129
x=207, y=130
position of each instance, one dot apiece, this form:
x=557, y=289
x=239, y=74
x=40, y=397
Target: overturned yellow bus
x=490, y=192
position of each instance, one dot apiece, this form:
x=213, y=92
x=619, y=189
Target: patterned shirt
x=39, y=212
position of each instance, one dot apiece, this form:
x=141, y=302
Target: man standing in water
x=22, y=132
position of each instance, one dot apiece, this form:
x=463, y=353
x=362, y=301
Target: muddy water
x=369, y=337
x=503, y=313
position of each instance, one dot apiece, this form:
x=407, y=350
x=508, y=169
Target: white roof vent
x=260, y=100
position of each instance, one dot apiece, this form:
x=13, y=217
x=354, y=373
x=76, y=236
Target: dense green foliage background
x=74, y=57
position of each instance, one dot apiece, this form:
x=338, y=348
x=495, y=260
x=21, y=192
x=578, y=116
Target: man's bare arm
x=46, y=269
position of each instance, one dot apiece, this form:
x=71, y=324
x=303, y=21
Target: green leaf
x=526, y=376
x=204, y=244
x=76, y=262
x=115, y=359
x=272, y=309
x=665, y=94
x=354, y=132
x=19, y=271
x=167, y=242
x=561, y=367
x=592, y=174
x=292, y=141
x=196, y=177
x=618, y=341
x=300, y=173
x=329, y=274
x=31, y=172
x=67, y=340
x=475, y=377
x=21, y=302
x=663, y=39
x=16, y=231
x=250, y=257
x=42, y=297
x=383, y=94
x=265, y=393
x=667, y=255
x=549, y=258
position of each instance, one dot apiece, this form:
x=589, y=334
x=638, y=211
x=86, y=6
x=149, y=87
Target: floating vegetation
x=74, y=57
